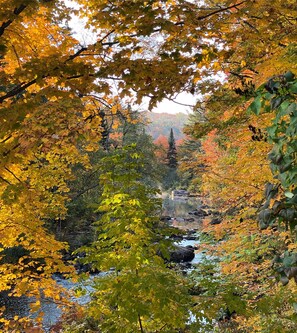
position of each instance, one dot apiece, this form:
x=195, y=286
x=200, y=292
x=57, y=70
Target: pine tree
x=172, y=153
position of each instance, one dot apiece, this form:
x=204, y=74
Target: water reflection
x=179, y=208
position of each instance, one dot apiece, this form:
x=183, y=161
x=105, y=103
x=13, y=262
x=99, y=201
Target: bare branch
x=6, y=181
x=17, y=56
x=179, y=103
x=12, y=174
x=83, y=191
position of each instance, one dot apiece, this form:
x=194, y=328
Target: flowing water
x=178, y=209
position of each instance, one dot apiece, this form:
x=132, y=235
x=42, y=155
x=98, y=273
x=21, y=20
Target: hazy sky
x=171, y=107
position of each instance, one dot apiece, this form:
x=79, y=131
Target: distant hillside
x=162, y=122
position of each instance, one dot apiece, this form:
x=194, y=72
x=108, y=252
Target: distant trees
x=171, y=178
x=161, y=123
x=172, y=152
x=161, y=144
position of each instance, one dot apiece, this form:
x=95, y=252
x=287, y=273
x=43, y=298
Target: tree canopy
x=57, y=96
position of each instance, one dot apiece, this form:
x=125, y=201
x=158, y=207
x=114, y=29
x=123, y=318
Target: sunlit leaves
x=138, y=292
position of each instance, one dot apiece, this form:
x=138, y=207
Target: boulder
x=179, y=193
x=190, y=237
x=176, y=237
x=189, y=219
x=216, y=220
x=184, y=267
x=199, y=212
x=165, y=218
x=182, y=254
x=191, y=231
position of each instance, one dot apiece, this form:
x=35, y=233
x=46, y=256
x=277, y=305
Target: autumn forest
x=82, y=180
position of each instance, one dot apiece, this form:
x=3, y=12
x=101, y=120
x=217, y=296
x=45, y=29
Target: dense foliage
x=62, y=101
x=140, y=293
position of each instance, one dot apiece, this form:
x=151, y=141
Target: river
x=177, y=209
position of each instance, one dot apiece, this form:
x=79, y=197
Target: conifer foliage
x=171, y=153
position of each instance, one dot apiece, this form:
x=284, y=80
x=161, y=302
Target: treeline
x=159, y=124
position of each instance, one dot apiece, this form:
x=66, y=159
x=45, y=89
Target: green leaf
x=293, y=88
x=283, y=109
x=255, y=106
x=272, y=130
x=289, y=76
x=289, y=194
x=275, y=102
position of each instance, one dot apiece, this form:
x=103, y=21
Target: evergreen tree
x=172, y=153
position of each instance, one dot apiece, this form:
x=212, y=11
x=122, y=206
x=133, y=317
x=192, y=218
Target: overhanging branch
x=17, y=11
x=23, y=86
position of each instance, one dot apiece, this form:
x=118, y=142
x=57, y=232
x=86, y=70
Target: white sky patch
x=80, y=32
x=168, y=106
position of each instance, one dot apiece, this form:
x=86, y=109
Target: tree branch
x=23, y=86
x=6, y=181
x=83, y=191
x=220, y=10
x=6, y=139
x=17, y=11
x=18, y=179
x=6, y=24
x=179, y=103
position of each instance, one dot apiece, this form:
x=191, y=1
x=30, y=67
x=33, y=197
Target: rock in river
x=216, y=220
x=182, y=254
x=199, y=212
